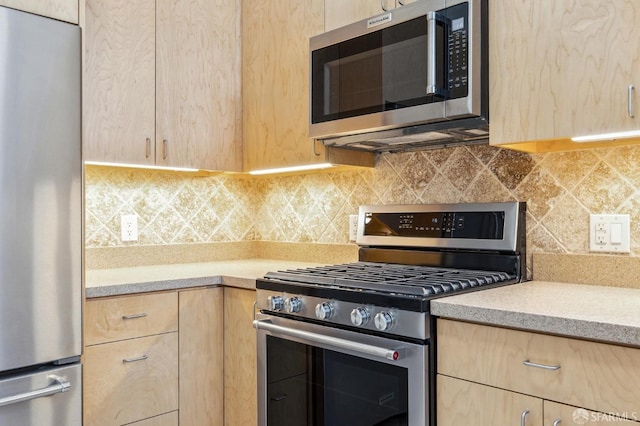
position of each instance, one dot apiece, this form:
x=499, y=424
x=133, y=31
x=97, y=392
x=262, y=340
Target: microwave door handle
x=433, y=18
x=384, y=353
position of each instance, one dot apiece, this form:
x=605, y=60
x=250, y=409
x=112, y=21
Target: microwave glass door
x=386, y=69
x=380, y=71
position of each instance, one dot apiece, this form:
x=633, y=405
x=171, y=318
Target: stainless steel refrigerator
x=40, y=221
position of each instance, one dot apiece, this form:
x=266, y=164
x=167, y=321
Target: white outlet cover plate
x=600, y=226
x=353, y=227
x=129, y=227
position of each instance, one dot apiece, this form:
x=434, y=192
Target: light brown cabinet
x=275, y=86
x=155, y=359
x=162, y=83
x=131, y=359
x=461, y=402
x=240, y=365
x=64, y=10
x=554, y=71
x=340, y=13
x=597, y=376
x=201, y=357
x=169, y=419
x=119, y=81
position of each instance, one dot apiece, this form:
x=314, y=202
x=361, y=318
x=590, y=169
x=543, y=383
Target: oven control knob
x=383, y=320
x=276, y=302
x=359, y=316
x=324, y=310
x=293, y=305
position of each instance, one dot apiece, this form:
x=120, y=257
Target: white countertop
x=609, y=314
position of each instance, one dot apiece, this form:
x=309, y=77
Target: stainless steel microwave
x=414, y=76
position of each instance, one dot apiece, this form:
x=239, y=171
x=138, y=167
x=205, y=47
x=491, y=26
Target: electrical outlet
x=129, y=227
x=353, y=227
x=609, y=233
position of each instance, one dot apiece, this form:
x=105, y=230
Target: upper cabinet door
x=64, y=10
x=562, y=68
x=162, y=83
x=275, y=49
x=198, y=84
x=119, y=81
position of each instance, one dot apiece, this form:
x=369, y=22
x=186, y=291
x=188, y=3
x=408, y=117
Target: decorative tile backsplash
x=561, y=189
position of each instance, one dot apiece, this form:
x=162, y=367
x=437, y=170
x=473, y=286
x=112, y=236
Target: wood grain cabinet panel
x=198, y=84
x=275, y=87
x=465, y=403
x=201, y=357
x=119, y=81
x=596, y=376
x=570, y=415
x=562, y=68
x=275, y=78
x=131, y=380
x=162, y=83
x=169, y=419
x=240, y=364
x=128, y=317
x=64, y=10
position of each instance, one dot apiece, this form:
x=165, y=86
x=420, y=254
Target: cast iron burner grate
x=393, y=278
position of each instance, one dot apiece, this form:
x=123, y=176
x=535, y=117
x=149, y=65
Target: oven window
x=307, y=385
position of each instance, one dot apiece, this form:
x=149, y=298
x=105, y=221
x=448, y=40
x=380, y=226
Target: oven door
x=309, y=374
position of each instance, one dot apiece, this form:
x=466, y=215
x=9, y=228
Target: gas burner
x=393, y=278
x=408, y=256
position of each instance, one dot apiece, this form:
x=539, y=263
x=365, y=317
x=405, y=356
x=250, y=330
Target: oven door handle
x=378, y=352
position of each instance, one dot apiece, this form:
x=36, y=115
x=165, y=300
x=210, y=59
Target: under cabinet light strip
x=291, y=169
x=138, y=166
x=607, y=136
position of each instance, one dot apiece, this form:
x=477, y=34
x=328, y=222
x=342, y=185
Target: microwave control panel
x=458, y=17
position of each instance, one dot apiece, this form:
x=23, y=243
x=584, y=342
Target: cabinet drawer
x=119, y=318
x=131, y=380
x=570, y=415
x=465, y=403
x=596, y=376
x=169, y=419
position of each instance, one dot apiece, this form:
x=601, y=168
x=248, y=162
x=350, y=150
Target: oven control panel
x=478, y=225
x=340, y=313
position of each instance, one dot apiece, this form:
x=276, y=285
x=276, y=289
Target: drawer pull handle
x=630, y=101
x=165, y=149
x=523, y=417
x=139, y=358
x=543, y=366
x=557, y=421
x=134, y=316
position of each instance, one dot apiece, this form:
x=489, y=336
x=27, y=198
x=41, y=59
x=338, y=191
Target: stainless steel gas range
x=354, y=344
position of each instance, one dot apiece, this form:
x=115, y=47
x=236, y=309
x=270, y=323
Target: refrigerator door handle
x=58, y=385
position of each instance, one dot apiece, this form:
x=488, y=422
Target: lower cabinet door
x=240, y=350
x=131, y=380
x=169, y=419
x=559, y=415
x=460, y=402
